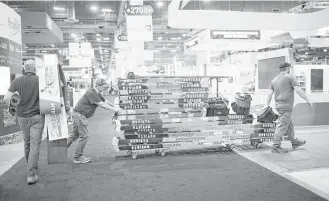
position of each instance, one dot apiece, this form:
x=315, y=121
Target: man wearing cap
x=29, y=118
x=85, y=109
x=283, y=87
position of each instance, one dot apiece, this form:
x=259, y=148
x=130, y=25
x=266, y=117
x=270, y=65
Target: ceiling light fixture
x=159, y=4
x=61, y=14
x=325, y=50
x=106, y=10
x=59, y=8
x=106, y=38
x=94, y=8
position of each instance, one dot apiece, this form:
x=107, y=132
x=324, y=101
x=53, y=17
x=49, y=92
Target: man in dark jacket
x=29, y=118
x=83, y=110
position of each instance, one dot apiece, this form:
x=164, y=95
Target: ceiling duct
x=71, y=13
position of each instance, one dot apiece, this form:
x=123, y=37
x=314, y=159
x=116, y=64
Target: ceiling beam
x=184, y=3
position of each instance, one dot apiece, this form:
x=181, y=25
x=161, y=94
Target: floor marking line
x=256, y=158
x=306, y=186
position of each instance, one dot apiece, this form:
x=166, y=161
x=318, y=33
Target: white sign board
x=139, y=28
x=10, y=39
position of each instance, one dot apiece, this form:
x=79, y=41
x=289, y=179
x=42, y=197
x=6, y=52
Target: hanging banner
x=81, y=54
x=10, y=40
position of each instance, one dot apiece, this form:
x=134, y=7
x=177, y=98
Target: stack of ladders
x=169, y=114
x=263, y=132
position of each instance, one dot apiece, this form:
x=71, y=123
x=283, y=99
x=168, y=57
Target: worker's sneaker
x=32, y=179
x=82, y=159
x=279, y=150
x=297, y=143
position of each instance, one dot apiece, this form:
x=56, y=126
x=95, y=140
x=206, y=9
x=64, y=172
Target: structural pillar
x=203, y=61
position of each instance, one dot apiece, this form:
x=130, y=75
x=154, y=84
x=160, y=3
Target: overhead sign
x=136, y=2
x=192, y=42
x=194, y=32
x=122, y=37
x=139, y=10
x=223, y=34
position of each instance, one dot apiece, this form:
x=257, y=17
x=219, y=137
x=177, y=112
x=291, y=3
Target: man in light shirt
x=283, y=87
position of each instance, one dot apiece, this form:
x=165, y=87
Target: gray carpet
x=196, y=176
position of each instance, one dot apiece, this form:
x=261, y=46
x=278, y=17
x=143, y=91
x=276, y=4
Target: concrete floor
x=178, y=176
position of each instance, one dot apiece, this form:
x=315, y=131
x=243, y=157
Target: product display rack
x=162, y=114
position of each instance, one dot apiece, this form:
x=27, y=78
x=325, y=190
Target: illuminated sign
x=246, y=35
x=139, y=10
x=122, y=37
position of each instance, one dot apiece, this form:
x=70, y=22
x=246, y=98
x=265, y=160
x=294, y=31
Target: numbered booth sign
x=139, y=10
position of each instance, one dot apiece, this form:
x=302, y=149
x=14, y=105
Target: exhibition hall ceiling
x=250, y=6
x=97, y=26
x=97, y=21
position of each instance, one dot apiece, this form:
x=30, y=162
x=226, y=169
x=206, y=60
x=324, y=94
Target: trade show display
x=209, y=93
x=10, y=67
x=164, y=114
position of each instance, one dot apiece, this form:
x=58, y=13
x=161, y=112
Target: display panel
x=316, y=79
x=267, y=70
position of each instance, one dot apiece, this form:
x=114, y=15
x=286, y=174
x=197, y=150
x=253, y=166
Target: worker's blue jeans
x=79, y=131
x=32, y=128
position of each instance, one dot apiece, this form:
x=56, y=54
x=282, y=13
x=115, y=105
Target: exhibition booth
x=252, y=52
x=243, y=56
x=10, y=67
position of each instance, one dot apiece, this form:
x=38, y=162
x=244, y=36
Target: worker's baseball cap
x=29, y=67
x=285, y=64
x=100, y=82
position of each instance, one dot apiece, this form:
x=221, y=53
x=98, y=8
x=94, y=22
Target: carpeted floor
x=197, y=176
